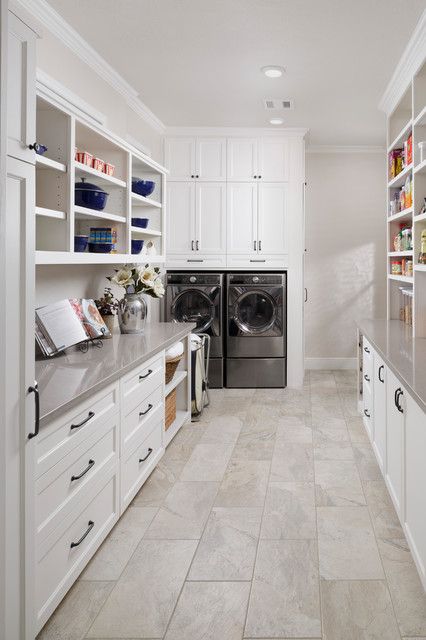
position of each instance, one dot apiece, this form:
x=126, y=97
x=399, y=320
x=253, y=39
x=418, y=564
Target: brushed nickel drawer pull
x=90, y=415
x=91, y=524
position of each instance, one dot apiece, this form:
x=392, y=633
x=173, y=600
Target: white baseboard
x=330, y=363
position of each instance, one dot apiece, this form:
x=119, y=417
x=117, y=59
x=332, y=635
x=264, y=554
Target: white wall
x=345, y=268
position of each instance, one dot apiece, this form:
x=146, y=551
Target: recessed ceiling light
x=276, y=120
x=272, y=71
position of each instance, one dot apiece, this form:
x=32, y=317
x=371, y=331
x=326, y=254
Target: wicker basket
x=171, y=366
x=170, y=408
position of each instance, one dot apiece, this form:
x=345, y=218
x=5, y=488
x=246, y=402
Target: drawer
x=60, y=489
x=368, y=408
x=142, y=381
x=138, y=465
x=367, y=359
x=62, y=555
x=138, y=423
x=257, y=261
x=194, y=261
x=58, y=438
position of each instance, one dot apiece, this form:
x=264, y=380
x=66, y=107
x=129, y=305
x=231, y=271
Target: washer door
x=255, y=312
x=193, y=305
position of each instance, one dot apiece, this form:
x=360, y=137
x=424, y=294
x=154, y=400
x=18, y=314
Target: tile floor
x=268, y=519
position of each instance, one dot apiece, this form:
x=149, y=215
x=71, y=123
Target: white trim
x=297, y=132
x=51, y=19
x=412, y=58
x=324, y=148
x=329, y=364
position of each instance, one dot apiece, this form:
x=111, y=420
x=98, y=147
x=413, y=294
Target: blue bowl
x=40, y=149
x=90, y=196
x=80, y=243
x=137, y=246
x=142, y=187
x=100, y=247
x=142, y=223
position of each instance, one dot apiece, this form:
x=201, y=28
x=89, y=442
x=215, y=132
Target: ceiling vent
x=278, y=104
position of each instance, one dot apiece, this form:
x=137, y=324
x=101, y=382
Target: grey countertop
x=69, y=378
x=405, y=355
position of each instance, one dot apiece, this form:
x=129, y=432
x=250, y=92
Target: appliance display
x=256, y=330
x=198, y=297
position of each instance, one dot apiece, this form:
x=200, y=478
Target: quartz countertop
x=71, y=377
x=405, y=355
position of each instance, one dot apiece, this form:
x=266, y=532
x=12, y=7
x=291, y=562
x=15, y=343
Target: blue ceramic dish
x=80, y=243
x=142, y=223
x=89, y=195
x=40, y=149
x=100, y=247
x=142, y=187
x=137, y=246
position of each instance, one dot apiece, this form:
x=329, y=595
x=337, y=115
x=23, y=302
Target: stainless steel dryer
x=198, y=297
x=256, y=330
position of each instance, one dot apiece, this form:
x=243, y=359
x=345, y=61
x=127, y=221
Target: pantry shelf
x=401, y=215
x=141, y=201
x=177, y=379
x=46, y=163
x=420, y=267
x=407, y=279
x=420, y=217
x=50, y=213
x=399, y=180
x=394, y=254
x=71, y=257
x=401, y=136
x=421, y=168
x=83, y=170
x=84, y=212
x=145, y=232
x=421, y=118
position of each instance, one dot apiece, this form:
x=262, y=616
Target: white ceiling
x=197, y=62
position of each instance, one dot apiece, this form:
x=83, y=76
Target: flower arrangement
x=137, y=279
x=107, y=305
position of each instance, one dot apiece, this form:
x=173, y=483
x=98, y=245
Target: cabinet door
x=241, y=219
x=180, y=218
x=179, y=157
x=395, y=441
x=272, y=219
x=415, y=479
x=273, y=159
x=21, y=100
x=368, y=408
x=211, y=159
x=210, y=226
x=242, y=159
x=379, y=402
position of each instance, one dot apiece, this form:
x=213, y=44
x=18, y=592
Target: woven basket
x=171, y=366
x=170, y=408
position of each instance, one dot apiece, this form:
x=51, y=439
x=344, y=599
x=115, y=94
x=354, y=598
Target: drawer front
x=139, y=464
x=257, y=261
x=139, y=422
x=61, y=436
x=368, y=409
x=63, y=555
x=60, y=489
x=196, y=260
x=141, y=382
x=367, y=360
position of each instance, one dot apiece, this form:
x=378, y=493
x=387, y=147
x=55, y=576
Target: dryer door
x=195, y=305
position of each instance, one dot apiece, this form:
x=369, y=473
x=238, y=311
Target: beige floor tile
x=289, y=511
x=337, y=484
x=257, y=445
x=350, y=404
x=366, y=462
x=357, y=432
x=335, y=451
x=331, y=422
x=347, y=546
x=222, y=430
x=227, y=549
x=142, y=601
x=185, y=511
x=357, y=610
x=207, y=463
x=220, y=609
x=293, y=429
x=324, y=435
x=159, y=484
x=385, y=520
x=110, y=560
x=73, y=618
x=244, y=484
x=284, y=599
x=292, y=462
x=408, y=596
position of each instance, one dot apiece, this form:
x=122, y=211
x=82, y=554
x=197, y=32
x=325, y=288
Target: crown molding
x=411, y=60
x=53, y=22
x=324, y=148
x=297, y=132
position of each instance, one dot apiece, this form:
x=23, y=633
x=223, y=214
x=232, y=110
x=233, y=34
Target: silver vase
x=132, y=313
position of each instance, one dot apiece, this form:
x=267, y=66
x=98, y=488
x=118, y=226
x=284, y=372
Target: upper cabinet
x=21, y=97
x=273, y=159
x=242, y=159
x=196, y=159
x=260, y=159
x=180, y=158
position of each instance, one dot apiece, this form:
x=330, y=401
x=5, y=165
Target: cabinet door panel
x=211, y=159
x=379, y=401
x=242, y=159
x=272, y=219
x=180, y=158
x=273, y=159
x=395, y=443
x=210, y=207
x=180, y=217
x=241, y=218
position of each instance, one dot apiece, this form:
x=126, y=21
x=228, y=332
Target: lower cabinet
x=395, y=440
x=379, y=374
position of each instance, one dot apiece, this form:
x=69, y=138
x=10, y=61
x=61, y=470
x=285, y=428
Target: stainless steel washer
x=256, y=330
x=198, y=297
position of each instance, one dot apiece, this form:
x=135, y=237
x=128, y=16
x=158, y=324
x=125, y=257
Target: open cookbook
x=66, y=323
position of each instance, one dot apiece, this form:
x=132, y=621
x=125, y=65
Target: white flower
x=123, y=278
x=158, y=288
x=147, y=275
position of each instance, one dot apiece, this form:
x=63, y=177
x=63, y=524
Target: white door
x=179, y=157
x=273, y=159
x=241, y=219
x=21, y=98
x=272, y=219
x=415, y=478
x=210, y=226
x=181, y=218
x=395, y=440
x=210, y=159
x=242, y=159
x=379, y=401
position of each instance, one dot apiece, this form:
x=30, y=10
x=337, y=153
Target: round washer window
x=255, y=312
x=193, y=305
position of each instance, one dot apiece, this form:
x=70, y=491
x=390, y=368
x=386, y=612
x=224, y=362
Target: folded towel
x=175, y=351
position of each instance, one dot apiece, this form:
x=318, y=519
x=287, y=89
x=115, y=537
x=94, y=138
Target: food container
x=408, y=150
x=80, y=243
x=89, y=195
x=142, y=187
x=100, y=247
x=142, y=223
x=137, y=246
x=98, y=164
x=109, y=169
x=396, y=268
x=422, y=147
x=84, y=157
x=395, y=162
x=409, y=268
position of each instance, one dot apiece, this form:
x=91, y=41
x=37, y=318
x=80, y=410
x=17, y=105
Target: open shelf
x=149, y=233
x=420, y=168
x=141, y=201
x=420, y=267
x=402, y=135
x=71, y=257
x=421, y=118
x=399, y=180
x=408, y=279
x=181, y=418
x=394, y=254
x=176, y=380
x=84, y=212
x=46, y=163
x=401, y=215
x=50, y=213
x=81, y=170
x=420, y=217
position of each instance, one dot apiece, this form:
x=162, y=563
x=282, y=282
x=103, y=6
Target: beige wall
x=345, y=268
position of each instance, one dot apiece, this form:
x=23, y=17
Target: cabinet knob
x=259, y=176
x=192, y=176
x=254, y=177
x=197, y=176
x=35, y=146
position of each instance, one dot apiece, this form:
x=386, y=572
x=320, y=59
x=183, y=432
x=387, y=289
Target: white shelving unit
x=181, y=384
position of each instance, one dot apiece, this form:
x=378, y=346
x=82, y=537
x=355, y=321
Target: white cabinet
x=180, y=158
x=379, y=403
x=242, y=219
x=210, y=223
x=196, y=158
x=264, y=159
x=21, y=90
x=272, y=219
x=395, y=440
x=180, y=218
x=273, y=163
x=242, y=159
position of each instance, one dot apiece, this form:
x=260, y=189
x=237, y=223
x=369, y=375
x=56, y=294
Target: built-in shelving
x=142, y=201
x=46, y=163
x=408, y=279
x=401, y=137
x=420, y=218
x=181, y=418
x=399, y=180
x=420, y=267
x=83, y=170
x=420, y=168
x=71, y=257
x=420, y=118
x=149, y=233
x=176, y=380
x=395, y=254
x=406, y=214
x=84, y=212
x=50, y=213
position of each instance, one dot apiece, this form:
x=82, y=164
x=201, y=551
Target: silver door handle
x=197, y=242
x=257, y=260
x=254, y=245
x=194, y=260
x=192, y=245
x=260, y=245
